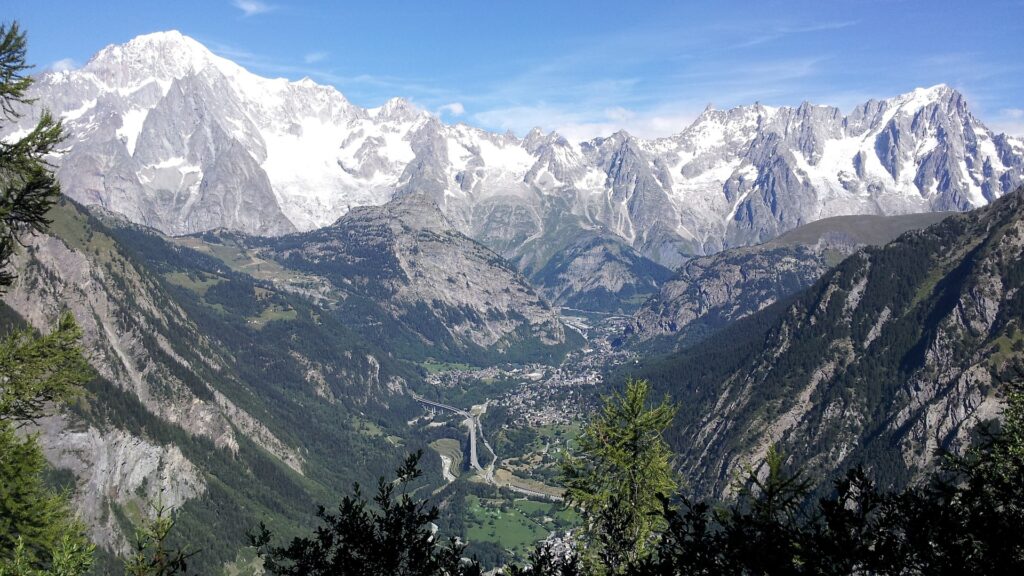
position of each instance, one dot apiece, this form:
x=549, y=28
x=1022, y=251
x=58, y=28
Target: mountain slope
x=226, y=397
x=711, y=291
x=177, y=138
x=895, y=353
x=406, y=260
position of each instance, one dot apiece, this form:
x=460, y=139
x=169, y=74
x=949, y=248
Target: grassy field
x=433, y=366
x=245, y=260
x=506, y=478
x=515, y=525
x=369, y=428
x=199, y=285
x=72, y=226
x=567, y=433
x=860, y=229
x=247, y=563
x=271, y=313
x=500, y=522
x=237, y=258
x=1005, y=347
x=451, y=449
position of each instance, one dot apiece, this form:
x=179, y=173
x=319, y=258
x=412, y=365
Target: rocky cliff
x=408, y=259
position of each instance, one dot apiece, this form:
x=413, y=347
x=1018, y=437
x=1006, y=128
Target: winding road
x=473, y=423
x=475, y=427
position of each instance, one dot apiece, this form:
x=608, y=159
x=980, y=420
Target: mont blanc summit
x=180, y=139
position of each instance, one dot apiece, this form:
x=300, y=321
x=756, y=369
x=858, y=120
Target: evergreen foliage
x=39, y=533
x=152, y=555
x=40, y=369
x=623, y=465
x=395, y=535
x=27, y=186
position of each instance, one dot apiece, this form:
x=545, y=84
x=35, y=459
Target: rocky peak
x=399, y=110
x=533, y=140
x=427, y=174
x=161, y=55
x=733, y=177
x=412, y=212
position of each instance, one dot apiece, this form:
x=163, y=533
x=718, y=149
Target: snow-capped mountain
x=175, y=137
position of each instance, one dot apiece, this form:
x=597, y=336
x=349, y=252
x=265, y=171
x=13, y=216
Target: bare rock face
x=51, y=276
x=897, y=352
x=115, y=468
x=174, y=137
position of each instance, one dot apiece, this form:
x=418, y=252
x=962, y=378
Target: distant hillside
x=896, y=353
x=173, y=136
x=709, y=292
x=857, y=230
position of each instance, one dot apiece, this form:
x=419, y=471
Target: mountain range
x=270, y=278
x=176, y=138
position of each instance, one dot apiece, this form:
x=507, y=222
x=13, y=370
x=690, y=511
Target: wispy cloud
x=1009, y=121
x=314, y=57
x=652, y=79
x=597, y=84
x=62, y=65
x=585, y=123
x=417, y=91
x=583, y=110
x=452, y=109
x=781, y=31
x=252, y=7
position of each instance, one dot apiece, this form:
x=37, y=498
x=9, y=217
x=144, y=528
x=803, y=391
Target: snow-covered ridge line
x=271, y=156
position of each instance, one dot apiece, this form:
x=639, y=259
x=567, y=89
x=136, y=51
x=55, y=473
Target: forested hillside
x=896, y=353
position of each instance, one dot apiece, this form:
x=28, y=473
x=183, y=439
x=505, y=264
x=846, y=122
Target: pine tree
x=152, y=556
x=393, y=535
x=27, y=186
x=623, y=465
x=39, y=533
x=38, y=530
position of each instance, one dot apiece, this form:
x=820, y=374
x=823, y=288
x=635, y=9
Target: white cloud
x=1009, y=121
x=579, y=123
x=314, y=57
x=453, y=109
x=790, y=30
x=62, y=65
x=252, y=7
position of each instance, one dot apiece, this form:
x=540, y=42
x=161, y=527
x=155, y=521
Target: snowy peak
x=161, y=56
x=942, y=94
x=176, y=137
x=399, y=110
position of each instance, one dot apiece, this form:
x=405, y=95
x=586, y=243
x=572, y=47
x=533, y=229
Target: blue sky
x=583, y=67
